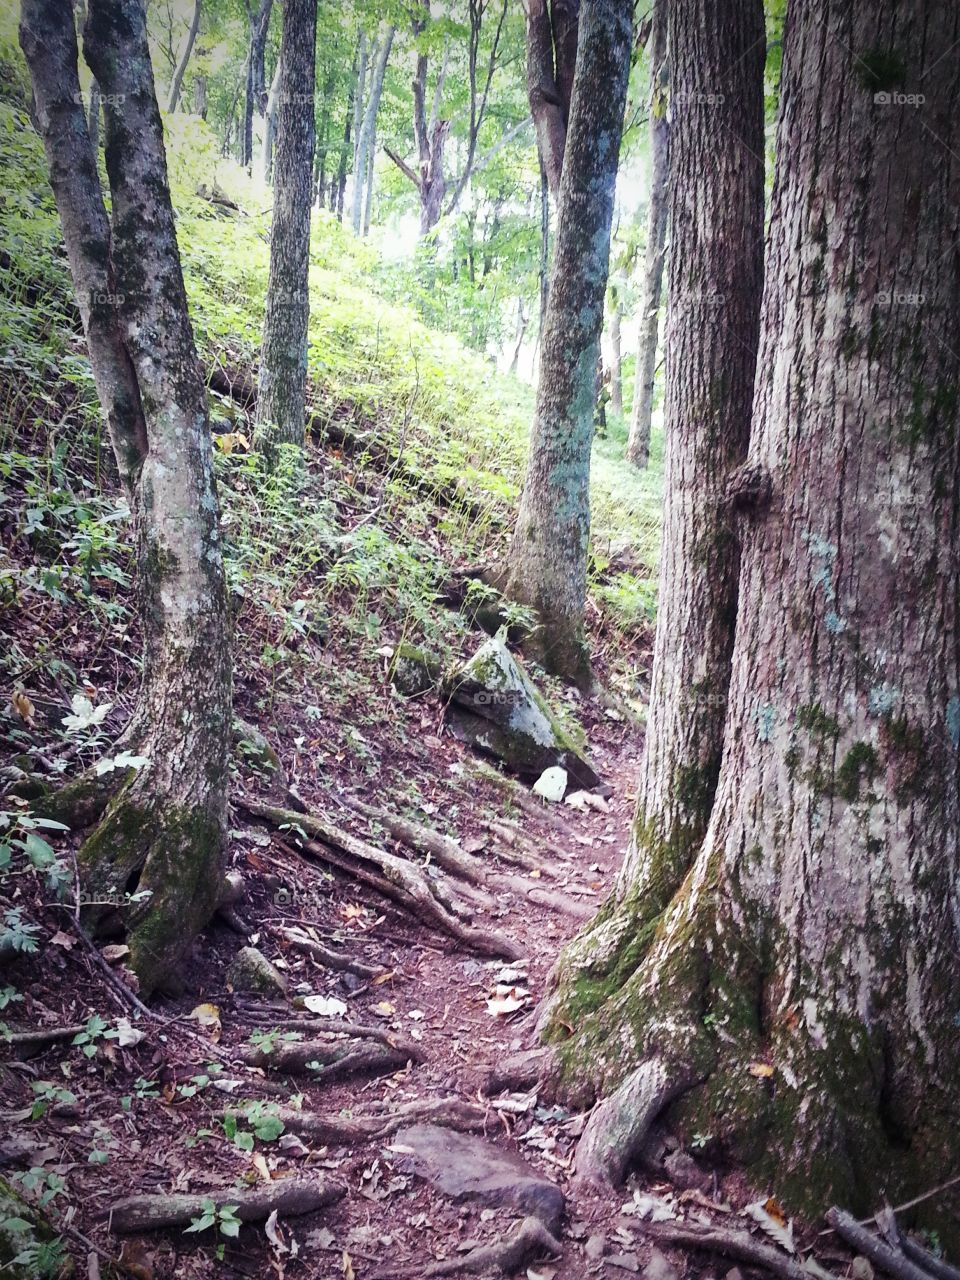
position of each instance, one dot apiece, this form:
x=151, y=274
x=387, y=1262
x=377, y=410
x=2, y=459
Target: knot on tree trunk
x=748, y=490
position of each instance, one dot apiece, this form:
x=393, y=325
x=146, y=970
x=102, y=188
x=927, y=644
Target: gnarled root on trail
x=330, y=959
x=619, y=1125
x=398, y=879
x=731, y=1244
x=333, y=1057
x=447, y=853
x=286, y=1196
x=530, y=1240
x=452, y=1113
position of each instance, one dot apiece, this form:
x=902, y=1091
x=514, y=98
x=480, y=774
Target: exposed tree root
x=329, y=959
x=452, y=1113
x=936, y=1267
x=885, y=1256
x=530, y=1240
x=395, y=877
x=446, y=853
x=521, y=1071
x=285, y=1196
x=332, y=1057
x=27, y=1043
x=616, y=1130
x=729, y=1244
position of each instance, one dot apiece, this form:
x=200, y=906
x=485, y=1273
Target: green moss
x=812, y=718
x=880, y=69
x=859, y=766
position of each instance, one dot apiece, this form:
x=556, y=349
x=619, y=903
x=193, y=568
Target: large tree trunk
x=163, y=833
x=648, y=313
x=281, y=403
x=256, y=76
x=176, y=84
x=365, y=140
x=818, y=930
x=548, y=553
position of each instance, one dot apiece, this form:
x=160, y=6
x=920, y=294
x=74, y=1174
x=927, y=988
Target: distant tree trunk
x=200, y=97
x=348, y=123
x=552, y=32
x=177, y=83
x=256, y=83
x=478, y=96
x=616, y=372
x=548, y=553
x=368, y=128
x=93, y=117
x=648, y=312
x=523, y=319
x=358, y=100
x=368, y=197
x=163, y=833
x=817, y=930
x=281, y=403
x=270, y=125
x=430, y=134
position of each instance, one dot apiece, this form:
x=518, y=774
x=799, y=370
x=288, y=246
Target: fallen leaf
x=127, y=1034
x=383, y=1009
x=348, y=1271
x=325, y=1006
x=23, y=707
x=500, y=1006
x=61, y=939
x=773, y=1223
x=260, y=1164
x=762, y=1070
x=208, y=1017
x=114, y=951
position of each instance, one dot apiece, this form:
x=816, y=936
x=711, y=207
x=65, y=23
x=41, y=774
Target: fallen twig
x=329, y=959
x=880, y=1254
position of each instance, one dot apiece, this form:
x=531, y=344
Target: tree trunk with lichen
x=281, y=404
x=162, y=833
x=548, y=554
x=818, y=930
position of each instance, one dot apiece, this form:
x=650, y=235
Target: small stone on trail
x=468, y=1168
x=684, y=1172
x=624, y=1261
x=659, y=1267
x=595, y=1247
x=734, y=1274
x=252, y=971
x=551, y=784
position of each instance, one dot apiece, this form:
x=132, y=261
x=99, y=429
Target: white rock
x=551, y=784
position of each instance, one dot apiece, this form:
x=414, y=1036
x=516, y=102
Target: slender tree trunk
x=616, y=372
x=200, y=97
x=359, y=96
x=163, y=833
x=281, y=404
x=93, y=117
x=818, y=928
x=648, y=327
x=548, y=553
x=270, y=125
x=256, y=83
x=176, y=84
x=368, y=197
x=368, y=128
x=347, y=126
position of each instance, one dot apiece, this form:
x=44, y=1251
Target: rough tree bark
x=648, y=312
x=547, y=566
x=163, y=832
x=270, y=125
x=256, y=76
x=552, y=33
x=616, y=363
x=176, y=84
x=365, y=140
x=818, y=929
x=281, y=403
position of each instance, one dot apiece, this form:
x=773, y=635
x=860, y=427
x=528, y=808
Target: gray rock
x=595, y=1247
x=413, y=671
x=494, y=707
x=252, y=971
x=464, y=1167
x=684, y=1172
x=659, y=1267
x=624, y=1261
